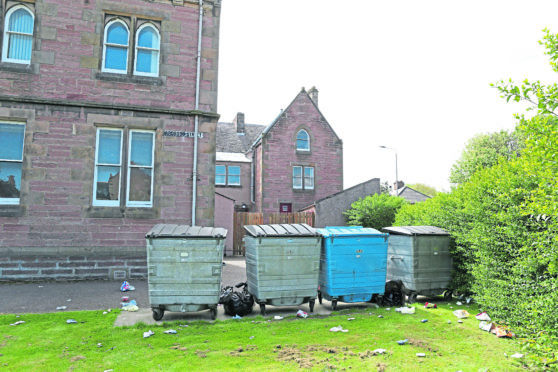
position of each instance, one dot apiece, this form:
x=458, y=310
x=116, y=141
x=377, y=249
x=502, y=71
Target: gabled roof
x=270, y=126
x=411, y=195
x=228, y=140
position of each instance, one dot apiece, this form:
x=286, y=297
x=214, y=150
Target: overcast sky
x=411, y=75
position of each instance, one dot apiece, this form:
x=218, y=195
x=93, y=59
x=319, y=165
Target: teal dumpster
x=420, y=257
x=282, y=264
x=184, y=268
x=352, y=264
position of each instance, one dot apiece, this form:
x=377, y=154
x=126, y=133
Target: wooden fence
x=251, y=218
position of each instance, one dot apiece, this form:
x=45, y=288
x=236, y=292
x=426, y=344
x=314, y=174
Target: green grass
x=45, y=342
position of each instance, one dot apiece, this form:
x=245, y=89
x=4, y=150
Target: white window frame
x=135, y=203
x=221, y=174
x=137, y=47
x=303, y=178
x=105, y=43
x=234, y=175
x=106, y=203
x=307, y=140
x=7, y=35
x=14, y=201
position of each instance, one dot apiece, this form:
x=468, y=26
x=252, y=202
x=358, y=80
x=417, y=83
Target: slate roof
x=411, y=195
x=228, y=140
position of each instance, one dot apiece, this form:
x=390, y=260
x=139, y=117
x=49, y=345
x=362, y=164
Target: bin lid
x=295, y=229
x=348, y=231
x=164, y=230
x=415, y=230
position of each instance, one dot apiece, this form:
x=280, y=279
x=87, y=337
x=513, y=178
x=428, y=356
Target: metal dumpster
x=420, y=257
x=352, y=264
x=184, y=268
x=282, y=264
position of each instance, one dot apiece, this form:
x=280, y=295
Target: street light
x=396, y=174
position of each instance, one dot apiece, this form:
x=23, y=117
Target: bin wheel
x=262, y=309
x=412, y=298
x=320, y=297
x=312, y=303
x=213, y=312
x=334, y=305
x=158, y=313
x=448, y=295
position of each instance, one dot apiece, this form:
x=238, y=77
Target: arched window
x=18, y=35
x=115, y=47
x=302, y=141
x=147, y=51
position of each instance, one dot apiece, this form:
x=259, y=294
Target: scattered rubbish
x=17, y=323
x=379, y=351
x=451, y=307
x=517, y=355
x=183, y=325
x=69, y=300
x=148, y=334
x=430, y=306
x=237, y=303
x=301, y=314
x=380, y=316
x=277, y=317
x=61, y=307
x=170, y=332
x=349, y=319
x=130, y=308
x=251, y=337
x=461, y=314
x=71, y=321
x=483, y=316
x=99, y=345
x=237, y=317
x=459, y=321
x=105, y=313
x=388, y=309
x=487, y=327
x=126, y=287
x=468, y=300
x=402, y=342
x=338, y=329
x=424, y=320
x=405, y=310
x=125, y=299
x=41, y=286
x=449, y=321
x=500, y=331
x=421, y=355
x=131, y=303
x=458, y=303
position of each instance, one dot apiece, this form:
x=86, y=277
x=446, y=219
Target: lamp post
x=396, y=173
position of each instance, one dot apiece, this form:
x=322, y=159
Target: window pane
x=10, y=179
x=234, y=171
x=117, y=34
x=108, y=183
x=148, y=61
x=308, y=178
x=11, y=141
x=302, y=141
x=148, y=38
x=140, y=184
x=142, y=149
x=20, y=47
x=220, y=174
x=234, y=180
x=116, y=58
x=297, y=177
x=21, y=21
x=109, y=147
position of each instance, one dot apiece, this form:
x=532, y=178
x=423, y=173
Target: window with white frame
x=18, y=35
x=147, y=51
x=115, y=47
x=303, y=178
x=11, y=161
x=302, y=141
x=109, y=168
x=227, y=175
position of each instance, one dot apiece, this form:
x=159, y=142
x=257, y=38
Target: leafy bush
x=376, y=211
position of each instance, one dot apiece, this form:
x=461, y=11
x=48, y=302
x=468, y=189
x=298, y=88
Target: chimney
x=238, y=122
x=398, y=185
x=313, y=92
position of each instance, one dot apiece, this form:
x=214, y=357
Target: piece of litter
x=69, y=300
x=517, y=355
x=338, y=329
x=170, y=332
x=17, y=323
x=468, y=300
x=237, y=317
x=61, y=307
x=130, y=308
x=421, y=355
x=449, y=321
x=430, y=306
x=483, y=316
x=424, y=320
x=183, y=325
x=148, y=334
x=126, y=287
x=71, y=321
x=388, y=309
x=485, y=326
x=402, y=342
x=105, y=313
x=461, y=314
x=380, y=316
x=459, y=321
x=125, y=299
x=458, y=303
x=41, y=286
x=131, y=303
x=99, y=345
x=301, y=314
x=251, y=337
x=405, y=310
x=349, y=319
x=277, y=317
x=379, y=351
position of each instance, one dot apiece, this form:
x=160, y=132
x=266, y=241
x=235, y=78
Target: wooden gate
x=241, y=219
x=299, y=217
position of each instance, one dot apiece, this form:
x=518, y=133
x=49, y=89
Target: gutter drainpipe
x=196, y=117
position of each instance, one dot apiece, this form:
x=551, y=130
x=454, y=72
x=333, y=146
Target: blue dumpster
x=352, y=264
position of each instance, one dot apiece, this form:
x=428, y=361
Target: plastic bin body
x=352, y=263
x=282, y=263
x=420, y=257
x=184, y=267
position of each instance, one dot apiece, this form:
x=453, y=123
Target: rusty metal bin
x=420, y=257
x=184, y=268
x=282, y=264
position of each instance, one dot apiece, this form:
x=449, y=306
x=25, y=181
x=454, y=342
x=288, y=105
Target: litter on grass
x=402, y=342
x=338, y=329
x=461, y=314
x=237, y=317
x=61, y=307
x=421, y=355
x=405, y=310
x=277, y=317
x=349, y=319
x=170, y=332
x=301, y=314
x=430, y=306
x=148, y=334
x=71, y=321
x=379, y=351
x=517, y=356
x=483, y=316
x=424, y=320
x=17, y=323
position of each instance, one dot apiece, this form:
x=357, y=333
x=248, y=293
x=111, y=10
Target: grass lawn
x=46, y=342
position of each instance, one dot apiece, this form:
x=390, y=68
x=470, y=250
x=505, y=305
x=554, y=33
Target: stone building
x=107, y=127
